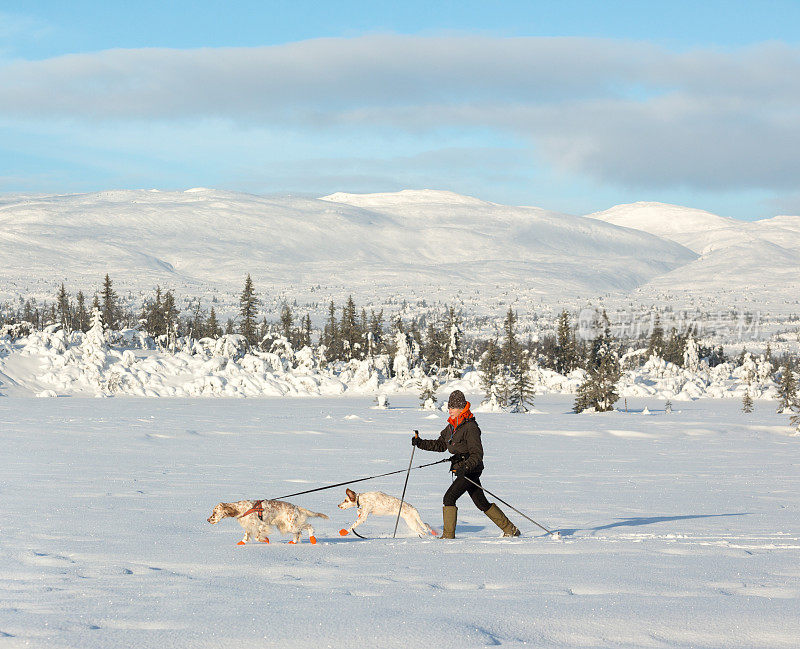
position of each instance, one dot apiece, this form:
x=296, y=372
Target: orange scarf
x=461, y=417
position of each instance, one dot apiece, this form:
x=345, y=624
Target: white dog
x=381, y=504
x=259, y=517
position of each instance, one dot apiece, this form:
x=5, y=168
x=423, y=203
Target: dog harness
x=258, y=508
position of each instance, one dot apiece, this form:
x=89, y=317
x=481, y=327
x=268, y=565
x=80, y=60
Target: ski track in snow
x=678, y=531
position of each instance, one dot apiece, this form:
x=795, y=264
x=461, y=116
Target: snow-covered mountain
x=205, y=239
x=735, y=256
x=686, y=225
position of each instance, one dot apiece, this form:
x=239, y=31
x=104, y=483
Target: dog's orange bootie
x=240, y=543
x=433, y=533
x=265, y=540
x=292, y=542
x=343, y=532
x=313, y=540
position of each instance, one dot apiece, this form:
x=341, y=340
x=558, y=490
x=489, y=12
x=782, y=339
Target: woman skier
x=462, y=438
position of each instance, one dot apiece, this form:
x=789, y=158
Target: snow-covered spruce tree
x=330, y=335
x=585, y=395
x=94, y=351
x=196, y=322
x=489, y=371
x=565, y=353
x=212, y=328
x=415, y=338
x=599, y=391
x=304, y=333
x=787, y=389
x=656, y=343
x=765, y=370
x=511, y=348
x=81, y=321
x=349, y=331
x=110, y=306
x=453, y=356
x=94, y=346
x=169, y=316
x=510, y=352
x=64, y=309
x=248, y=310
x=427, y=393
x=376, y=329
x=521, y=390
x=151, y=315
x=287, y=323
x=691, y=357
x=747, y=400
x=401, y=366
x=435, y=345
x=363, y=328
x=675, y=348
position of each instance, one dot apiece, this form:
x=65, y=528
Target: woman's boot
x=499, y=518
x=449, y=516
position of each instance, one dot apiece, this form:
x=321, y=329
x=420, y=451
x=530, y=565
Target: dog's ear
x=229, y=509
x=351, y=494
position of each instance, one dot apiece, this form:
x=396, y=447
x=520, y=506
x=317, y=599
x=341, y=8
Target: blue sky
x=573, y=106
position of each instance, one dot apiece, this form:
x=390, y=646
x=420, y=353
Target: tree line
x=434, y=342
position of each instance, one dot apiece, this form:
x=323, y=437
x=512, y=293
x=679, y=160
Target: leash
x=372, y=477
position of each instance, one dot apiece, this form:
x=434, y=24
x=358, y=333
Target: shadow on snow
x=643, y=520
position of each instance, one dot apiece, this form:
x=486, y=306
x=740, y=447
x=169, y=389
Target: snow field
x=678, y=530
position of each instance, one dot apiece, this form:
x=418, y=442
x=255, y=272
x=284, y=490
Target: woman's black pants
x=460, y=485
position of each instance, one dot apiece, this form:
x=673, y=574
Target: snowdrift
x=52, y=363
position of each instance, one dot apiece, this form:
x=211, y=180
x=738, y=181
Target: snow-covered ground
x=677, y=530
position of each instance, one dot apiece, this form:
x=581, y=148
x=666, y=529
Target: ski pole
x=403, y=497
x=372, y=477
x=510, y=505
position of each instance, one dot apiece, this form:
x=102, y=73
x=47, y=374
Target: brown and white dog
x=381, y=504
x=260, y=517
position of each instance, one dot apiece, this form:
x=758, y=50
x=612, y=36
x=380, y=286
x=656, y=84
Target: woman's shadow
x=642, y=520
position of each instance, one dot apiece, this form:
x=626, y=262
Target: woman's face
x=454, y=411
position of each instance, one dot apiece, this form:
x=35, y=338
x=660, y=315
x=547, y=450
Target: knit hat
x=457, y=400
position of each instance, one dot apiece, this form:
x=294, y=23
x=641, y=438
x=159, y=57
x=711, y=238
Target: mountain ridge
x=414, y=239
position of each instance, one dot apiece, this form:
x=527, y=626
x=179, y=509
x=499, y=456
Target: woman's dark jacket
x=465, y=441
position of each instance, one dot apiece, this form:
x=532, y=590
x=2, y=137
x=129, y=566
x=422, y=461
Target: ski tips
x=240, y=543
x=313, y=540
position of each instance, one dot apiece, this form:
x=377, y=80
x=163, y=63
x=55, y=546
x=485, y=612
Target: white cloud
x=623, y=112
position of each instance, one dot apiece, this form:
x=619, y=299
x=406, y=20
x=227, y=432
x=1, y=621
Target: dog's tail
x=311, y=514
